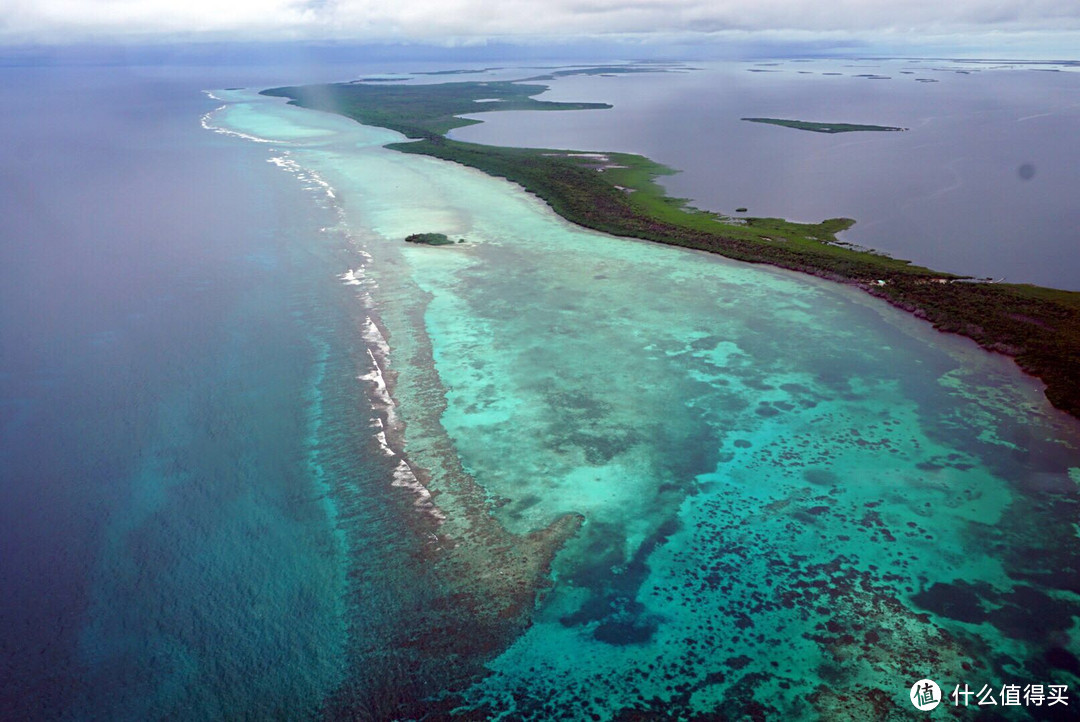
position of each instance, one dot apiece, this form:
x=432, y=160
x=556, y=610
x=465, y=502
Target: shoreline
x=616, y=193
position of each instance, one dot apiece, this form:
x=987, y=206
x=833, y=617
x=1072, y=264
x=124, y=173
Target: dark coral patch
x=1032, y=615
x=624, y=633
x=1063, y=659
x=737, y=662
x=821, y=477
x=957, y=601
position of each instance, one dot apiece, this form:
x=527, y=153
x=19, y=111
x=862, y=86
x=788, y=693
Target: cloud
x=24, y=21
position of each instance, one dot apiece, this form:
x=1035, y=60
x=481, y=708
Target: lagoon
x=981, y=131
x=760, y=461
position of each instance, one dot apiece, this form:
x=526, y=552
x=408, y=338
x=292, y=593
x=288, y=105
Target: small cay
x=431, y=239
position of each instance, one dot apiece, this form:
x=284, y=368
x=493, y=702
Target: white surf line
x=207, y=125
x=313, y=181
x=205, y=122
x=404, y=475
x=353, y=277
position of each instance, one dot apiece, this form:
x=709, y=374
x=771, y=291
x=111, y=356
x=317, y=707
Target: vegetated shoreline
x=616, y=193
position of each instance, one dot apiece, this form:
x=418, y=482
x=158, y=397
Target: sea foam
x=384, y=406
x=386, y=425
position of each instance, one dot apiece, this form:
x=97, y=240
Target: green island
x=431, y=239
x=617, y=193
x=822, y=127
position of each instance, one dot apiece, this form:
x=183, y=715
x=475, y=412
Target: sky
x=1018, y=28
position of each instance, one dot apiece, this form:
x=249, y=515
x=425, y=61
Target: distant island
x=617, y=193
x=822, y=127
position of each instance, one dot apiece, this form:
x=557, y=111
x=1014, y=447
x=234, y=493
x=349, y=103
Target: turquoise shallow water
x=794, y=501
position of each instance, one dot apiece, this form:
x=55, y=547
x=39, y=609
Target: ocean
x=262, y=459
x=167, y=339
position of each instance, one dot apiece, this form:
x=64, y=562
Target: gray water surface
x=983, y=182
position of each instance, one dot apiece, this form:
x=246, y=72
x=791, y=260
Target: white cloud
x=462, y=20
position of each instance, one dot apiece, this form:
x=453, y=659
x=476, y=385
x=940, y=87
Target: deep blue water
x=169, y=323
